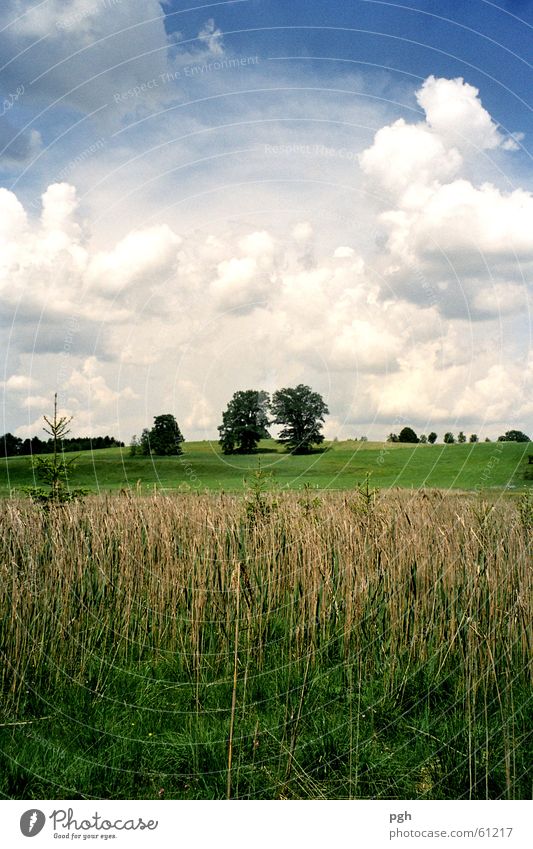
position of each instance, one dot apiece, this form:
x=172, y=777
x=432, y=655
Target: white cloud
x=405, y=154
x=37, y=402
x=144, y=256
x=343, y=252
x=91, y=387
x=495, y=393
x=239, y=283
x=407, y=157
x=59, y=207
x=500, y=299
x=212, y=37
x=468, y=247
x=461, y=220
x=84, y=51
x=13, y=218
x=302, y=231
x=454, y=111
x=259, y=245
x=52, y=18
x=243, y=281
x=20, y=383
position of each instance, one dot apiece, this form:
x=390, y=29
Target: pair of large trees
x=246, y=420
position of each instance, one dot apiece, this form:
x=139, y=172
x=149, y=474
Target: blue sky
x=488, y=42
x=200, y=198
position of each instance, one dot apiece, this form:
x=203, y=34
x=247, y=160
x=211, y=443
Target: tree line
x=408, y=435
x=14, y=446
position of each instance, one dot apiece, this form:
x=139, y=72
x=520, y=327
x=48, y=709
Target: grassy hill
x=337, y=466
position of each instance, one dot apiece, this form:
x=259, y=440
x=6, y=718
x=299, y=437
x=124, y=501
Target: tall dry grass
x=420, y=602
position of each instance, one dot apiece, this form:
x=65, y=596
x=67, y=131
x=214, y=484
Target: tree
x=164, y=439
x=432, y=438
x=10, y=445
x=473, y=437
x=461, y=437
x=423, y=438
x=392, y=437
x=407, y=434
x=449, y=438
x=54, y=471
x=34, y=446
x=244, y=422
x=144, y=442
x=135, y=447
x=514, y=436
x=301, y=412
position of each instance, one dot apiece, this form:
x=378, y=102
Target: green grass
x=337, y=466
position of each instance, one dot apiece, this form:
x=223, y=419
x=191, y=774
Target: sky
x=199, y=198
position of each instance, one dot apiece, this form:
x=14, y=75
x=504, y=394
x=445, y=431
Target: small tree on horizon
x=407, y=434
x=432, y=438
x=244, y=422
x=449, y=438
x=473, y=437
x=301, y=412
x=461, y=437
x=514, y=436
x=164, y=439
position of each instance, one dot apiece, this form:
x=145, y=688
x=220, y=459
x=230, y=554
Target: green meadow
x=336, y=466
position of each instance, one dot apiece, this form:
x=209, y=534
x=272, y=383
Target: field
x=271, y=644
x=338, y=466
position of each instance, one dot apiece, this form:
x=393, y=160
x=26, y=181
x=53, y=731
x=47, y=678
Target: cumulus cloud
x=51, y=18
x=146, y=256
x=243, y=281
x=259, y=245
x=35, y=402
x=239, y=283
x=343, y=252
x=59, y=205
x=302, y=231
x=406, y=154
x=459, y=219
x=20, y=383
x=454, y=111
x=469, y=246
x=82, y=53
x=48, y=267
x=13, y=218
x=92, y=389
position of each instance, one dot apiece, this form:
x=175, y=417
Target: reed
x=281, y=646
